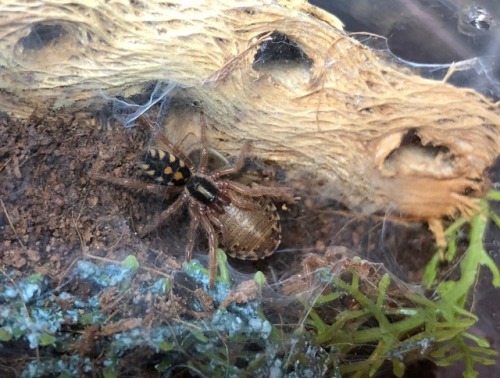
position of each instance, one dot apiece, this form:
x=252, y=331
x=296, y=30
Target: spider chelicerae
x=213, y=201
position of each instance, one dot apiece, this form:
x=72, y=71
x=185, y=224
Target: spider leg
x=240, y=202
x=240, y=162
x=193, y=227
x=129, y=183
x=156, y=222
x=212, y=249
x=258, y=190
x=222, y=228
x=202, y=167
x=172, y=147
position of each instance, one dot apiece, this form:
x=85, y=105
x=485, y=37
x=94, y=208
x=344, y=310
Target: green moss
x=380, y=328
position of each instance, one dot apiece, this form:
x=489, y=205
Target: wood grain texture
x=382, y=138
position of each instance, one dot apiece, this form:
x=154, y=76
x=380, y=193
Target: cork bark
x=379, y=137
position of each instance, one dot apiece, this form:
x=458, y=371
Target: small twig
x=111, y=305
x=10, y=223
x=75, y=221
x=105, y=259
x=153, y=270
x=7, y=162
x=59, y=284
x=15, y=170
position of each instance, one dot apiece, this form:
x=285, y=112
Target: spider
x=213, y=202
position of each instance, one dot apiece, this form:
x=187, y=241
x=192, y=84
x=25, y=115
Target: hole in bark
x=411, y=138
x=280, y=49
x=50, y=44
x=413, y=157
x=42, y=35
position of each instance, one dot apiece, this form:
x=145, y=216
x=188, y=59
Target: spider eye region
x=203, y=190
x=166, y=168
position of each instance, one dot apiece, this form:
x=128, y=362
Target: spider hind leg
x=157, y=221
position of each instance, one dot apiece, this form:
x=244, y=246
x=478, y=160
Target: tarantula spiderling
x=244, y=216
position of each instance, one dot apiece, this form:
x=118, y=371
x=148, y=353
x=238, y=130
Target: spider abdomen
x=165, y=167
x=251, y=234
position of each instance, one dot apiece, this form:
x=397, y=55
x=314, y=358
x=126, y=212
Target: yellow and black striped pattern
x=166, y=168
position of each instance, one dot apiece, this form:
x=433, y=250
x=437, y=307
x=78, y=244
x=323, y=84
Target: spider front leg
x=238, y=166
x=202, y=166
x=156, y=222
x=128, y=183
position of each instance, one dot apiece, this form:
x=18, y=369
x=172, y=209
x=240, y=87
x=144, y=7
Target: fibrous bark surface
x=380, y=138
